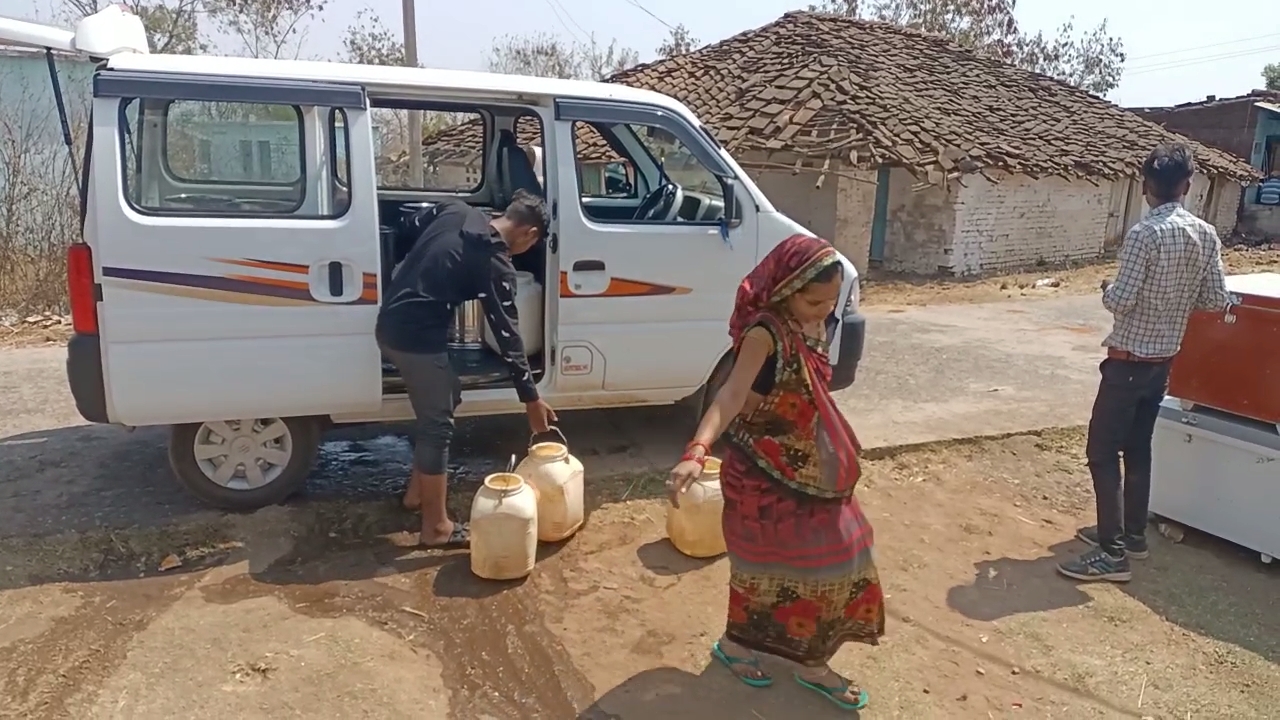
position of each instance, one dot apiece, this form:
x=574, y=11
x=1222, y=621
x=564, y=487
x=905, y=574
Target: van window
x=268, y=139
x=528, y=129
x=602, y=171
x=339, y=160
x=452, y=146
x=614, y=160
x=218, y=158
x=679, y=165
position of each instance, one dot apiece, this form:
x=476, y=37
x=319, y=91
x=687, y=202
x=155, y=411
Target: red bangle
x=700, y=459
x=706, y=449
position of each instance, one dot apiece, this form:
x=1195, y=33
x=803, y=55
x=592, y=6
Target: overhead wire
x=1188, y=62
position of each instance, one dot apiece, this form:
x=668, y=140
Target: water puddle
x=379, y=466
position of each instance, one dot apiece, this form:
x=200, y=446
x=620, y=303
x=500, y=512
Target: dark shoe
x=1135, y=547
x=1097, y=565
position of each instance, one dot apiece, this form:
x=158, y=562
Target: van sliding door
x=235, y=240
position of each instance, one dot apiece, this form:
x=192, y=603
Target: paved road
x=930, y=373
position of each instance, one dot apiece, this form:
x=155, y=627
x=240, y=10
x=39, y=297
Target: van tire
x=303, y=435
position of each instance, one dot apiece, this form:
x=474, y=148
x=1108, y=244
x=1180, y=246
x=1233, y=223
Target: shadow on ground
x=1206, y=585
x=673, y=694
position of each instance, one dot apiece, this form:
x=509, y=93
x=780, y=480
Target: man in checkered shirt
x=1170, y=264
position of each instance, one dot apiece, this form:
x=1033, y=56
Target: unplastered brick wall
x=794, y=194
x=1227, y=211
x=1021, y=221
x=919, y=226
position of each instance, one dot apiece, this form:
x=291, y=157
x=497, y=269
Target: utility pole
x=414, y=139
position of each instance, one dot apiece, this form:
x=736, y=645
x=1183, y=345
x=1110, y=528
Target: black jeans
x=1123, y=421
x=434, y=393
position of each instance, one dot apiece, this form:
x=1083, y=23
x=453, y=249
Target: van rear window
x=218, y=158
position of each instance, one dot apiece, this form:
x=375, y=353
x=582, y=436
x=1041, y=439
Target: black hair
x=827, y=274
x=1167, y=167
x=528, y=210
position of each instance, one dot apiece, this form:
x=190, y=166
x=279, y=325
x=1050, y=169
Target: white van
x=239, y=226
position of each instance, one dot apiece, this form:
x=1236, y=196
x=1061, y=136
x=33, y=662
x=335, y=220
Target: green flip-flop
x=831, y=693
x=729, y=661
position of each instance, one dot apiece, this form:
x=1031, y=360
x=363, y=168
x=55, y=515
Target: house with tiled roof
x=912, y=153
x=1247, y=126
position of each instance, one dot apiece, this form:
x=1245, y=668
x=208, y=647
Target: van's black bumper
x=853, y=335
x=84, y=375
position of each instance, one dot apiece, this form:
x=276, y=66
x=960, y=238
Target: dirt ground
x=297, y=612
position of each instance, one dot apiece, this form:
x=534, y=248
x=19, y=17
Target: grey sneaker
x=1135, y=547
x=1097, y=565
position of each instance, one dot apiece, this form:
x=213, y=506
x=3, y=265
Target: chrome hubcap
x=243, y=454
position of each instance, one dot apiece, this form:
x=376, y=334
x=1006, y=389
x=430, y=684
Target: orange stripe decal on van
x=623, y=287
x=368, y=280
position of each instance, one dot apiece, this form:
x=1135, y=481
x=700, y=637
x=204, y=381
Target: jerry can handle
x=550, y=429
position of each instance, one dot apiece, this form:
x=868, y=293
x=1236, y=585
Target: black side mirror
x=732, y=212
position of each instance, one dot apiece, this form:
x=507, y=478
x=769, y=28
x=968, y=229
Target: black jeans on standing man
x=1123, y=421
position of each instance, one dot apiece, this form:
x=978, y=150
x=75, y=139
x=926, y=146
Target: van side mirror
x=732, y=211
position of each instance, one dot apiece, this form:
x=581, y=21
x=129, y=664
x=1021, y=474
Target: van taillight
x=80, y=290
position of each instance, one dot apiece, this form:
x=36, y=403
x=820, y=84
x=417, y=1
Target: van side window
x=339, y=160
x=602, y=171
x=452, y=147
x=205, y=158
x=631, y=172
x=528, y=128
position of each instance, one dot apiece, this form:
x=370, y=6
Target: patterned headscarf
x=786, y=269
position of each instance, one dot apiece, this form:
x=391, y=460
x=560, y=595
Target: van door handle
x=335, y=278
x=588, y=266
x=334, y=281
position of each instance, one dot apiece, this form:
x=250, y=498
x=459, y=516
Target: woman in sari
x=801, y=578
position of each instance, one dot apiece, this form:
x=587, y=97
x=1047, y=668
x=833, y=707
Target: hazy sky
x=1179, y=50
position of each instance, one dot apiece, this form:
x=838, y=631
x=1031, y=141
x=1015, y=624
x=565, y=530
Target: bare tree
x=545, y=55
x=369, y=42
x=538, y=54
x=600, y=62
x=1093, y=60
x=265, y=28
x=173, y=26
x=39, y=202
x=678, y=42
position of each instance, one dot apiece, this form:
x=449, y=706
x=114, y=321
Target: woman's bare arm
x=755, y=348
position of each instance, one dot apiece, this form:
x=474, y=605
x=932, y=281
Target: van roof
x=376, y=78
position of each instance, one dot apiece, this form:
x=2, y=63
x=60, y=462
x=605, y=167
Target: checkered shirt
x=1170, y=264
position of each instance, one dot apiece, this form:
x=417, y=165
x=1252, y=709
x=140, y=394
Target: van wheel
x=244, y=464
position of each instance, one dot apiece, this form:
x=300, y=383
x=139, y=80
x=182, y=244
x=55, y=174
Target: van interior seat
x=515, y=172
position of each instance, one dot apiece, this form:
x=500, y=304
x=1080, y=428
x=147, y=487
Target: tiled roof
x=829, y=86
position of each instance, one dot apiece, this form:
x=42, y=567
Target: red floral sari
x=802, y=578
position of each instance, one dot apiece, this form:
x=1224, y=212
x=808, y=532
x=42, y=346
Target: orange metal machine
x=1230, y=361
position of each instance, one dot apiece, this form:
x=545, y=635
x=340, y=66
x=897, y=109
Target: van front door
x=649, y=266
x=235, y=240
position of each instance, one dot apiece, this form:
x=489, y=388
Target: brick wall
x=920, y=225
x=1227, y=125
x=795, y=196
x=855, y=213
x=1227, y=211
x=1021, y=221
